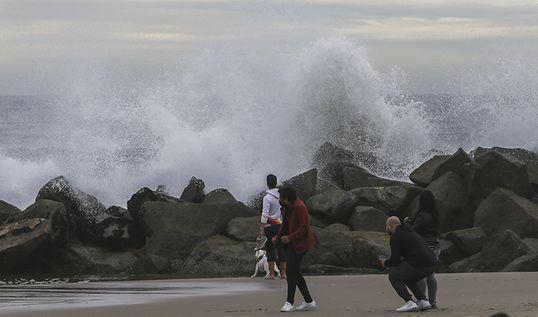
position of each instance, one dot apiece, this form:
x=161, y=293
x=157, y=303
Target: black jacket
x=423, y=224
x=406, y=245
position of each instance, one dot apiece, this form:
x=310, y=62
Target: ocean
x=232, y=118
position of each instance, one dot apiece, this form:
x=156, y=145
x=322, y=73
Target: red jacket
x=299, y=230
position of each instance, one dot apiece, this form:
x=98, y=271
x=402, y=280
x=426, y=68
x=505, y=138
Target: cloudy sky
x=428, y=39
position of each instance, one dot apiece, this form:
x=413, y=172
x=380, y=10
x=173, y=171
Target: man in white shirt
x=271, y=220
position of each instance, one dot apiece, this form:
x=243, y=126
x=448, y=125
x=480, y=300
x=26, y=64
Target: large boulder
x=329, y=153
x=525, y=263
x=466, y=265
x=333, y=172
x=383, y=198
x=451, y=197
x=503, y=209
x=495, y=256
x=502, y=250
x=20, y=241
x=354, y=177
x=324, y=185
x=367, y=248
x=150, y=264
x=367, y=218
x=470, y=241
x=499, y=170
x=244, y=228
x=332, y=248
x=528, y=157
x=84, y=210
x=304, y=184
x=137, y=229
x=219, y=255
x=116, y=230
x=334, y=205
x=173, y=229
x=7, y=211
x=450, y=253
x=437, y=166
x=340, y=227
x=532, y=243
x=348, y=248
x=51, y=210
x=194, y=192
x=84, y=259
x=219, y=196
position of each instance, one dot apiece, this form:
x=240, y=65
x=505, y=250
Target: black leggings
x=295, y=277
x=405, y=275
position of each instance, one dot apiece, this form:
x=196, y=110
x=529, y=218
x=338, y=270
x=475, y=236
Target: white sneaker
x=408, y=307
x=424, y=305
x=306, y=306
x=287, y=308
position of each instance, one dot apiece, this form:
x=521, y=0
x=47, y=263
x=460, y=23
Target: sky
x=40, y=40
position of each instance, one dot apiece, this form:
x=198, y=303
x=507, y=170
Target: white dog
x=263, y=265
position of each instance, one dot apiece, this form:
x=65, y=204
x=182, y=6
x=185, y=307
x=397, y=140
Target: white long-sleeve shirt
x=271, y=207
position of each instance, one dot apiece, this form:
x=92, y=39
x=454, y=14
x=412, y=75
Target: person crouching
x=411, y=260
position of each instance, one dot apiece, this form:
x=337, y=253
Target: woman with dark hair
x=426, y=224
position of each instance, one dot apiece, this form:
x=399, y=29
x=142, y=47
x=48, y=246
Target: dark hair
x=288, y=193
x=271, y=181
x=500, y=315
x=427, y=205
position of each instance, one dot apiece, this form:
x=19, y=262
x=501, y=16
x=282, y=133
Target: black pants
x=405, y=275
x=274, y=253
x=295, y=277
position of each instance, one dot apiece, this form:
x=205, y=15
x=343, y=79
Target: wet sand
x=476, y=294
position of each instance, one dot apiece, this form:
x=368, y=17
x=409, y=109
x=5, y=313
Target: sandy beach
x=477, y=294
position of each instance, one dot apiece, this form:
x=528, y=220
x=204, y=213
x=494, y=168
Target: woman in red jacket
x=296, y=234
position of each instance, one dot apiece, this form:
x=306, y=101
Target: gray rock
x=532, y=243
x=20, y=241
x=502, y=250
x=7, y=211
x=528, y=157
x=437, y=166
x=304, y=184
x=329, y=153
x=348, y=248
x=150, y=264
x=340, y=227
x=334, y=205
x=194, y=192
x=470, y=241
x=84, y=259
x=525, y=263
x=324, y=185
x=383, y=198
x=175, y=228
x=315, y=221
x=219, y=255
x=219, y=196
x=334, y=172
x=53, y=211
x=367, y=218
x=503, y=209
x=499, y=170
x=137, y=230
x=466, y=265
x=244, y=228
x=450, y=253
x=451, y=197
x=354, y=177
x=84, y=210
x=114, y=233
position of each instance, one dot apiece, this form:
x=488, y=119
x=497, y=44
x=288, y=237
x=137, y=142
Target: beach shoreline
x=471, y=294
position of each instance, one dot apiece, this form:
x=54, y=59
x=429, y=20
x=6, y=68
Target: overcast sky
x=426, y=38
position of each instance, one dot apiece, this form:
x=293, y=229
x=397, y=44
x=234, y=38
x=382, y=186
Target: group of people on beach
x=414, y=243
